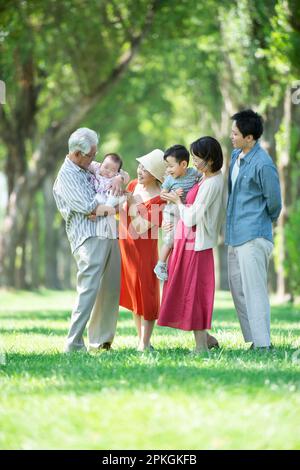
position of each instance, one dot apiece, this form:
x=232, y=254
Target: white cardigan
x=207, y=212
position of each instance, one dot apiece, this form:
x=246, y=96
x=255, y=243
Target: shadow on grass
x=52, y=315
x=165, y=370
x=130, y=331
x=279, y=313
x=162, y=370
x=35, y=330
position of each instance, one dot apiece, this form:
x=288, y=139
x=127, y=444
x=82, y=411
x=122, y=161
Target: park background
x=144, y=74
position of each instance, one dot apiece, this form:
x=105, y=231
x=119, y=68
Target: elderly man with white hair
x=94, y=245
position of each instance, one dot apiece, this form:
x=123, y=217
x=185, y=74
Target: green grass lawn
x=122, y=399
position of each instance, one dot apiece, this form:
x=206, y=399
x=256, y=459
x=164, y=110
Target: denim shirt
x=255, y=201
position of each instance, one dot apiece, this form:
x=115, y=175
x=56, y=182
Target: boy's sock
x=161, y=263
x=161, y=270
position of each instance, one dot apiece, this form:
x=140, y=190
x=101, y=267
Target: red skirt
x=188, y=295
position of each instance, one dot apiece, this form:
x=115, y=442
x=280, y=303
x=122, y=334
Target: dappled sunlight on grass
x=53, y=400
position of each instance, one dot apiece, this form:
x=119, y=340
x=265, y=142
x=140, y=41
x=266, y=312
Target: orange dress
x=139, y=255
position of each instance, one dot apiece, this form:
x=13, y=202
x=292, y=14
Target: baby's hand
x=117, y=186
x=180, y=192
x=164, y=191
x=92, y=216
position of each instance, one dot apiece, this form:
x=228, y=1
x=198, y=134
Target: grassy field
x=168, y=399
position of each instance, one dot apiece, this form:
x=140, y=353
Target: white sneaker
x=161, y=271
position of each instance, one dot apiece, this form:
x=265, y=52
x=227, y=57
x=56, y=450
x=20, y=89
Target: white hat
x=154, y=163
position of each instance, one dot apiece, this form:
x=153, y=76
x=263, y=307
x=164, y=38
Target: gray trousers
x=98, y=289
x=248, y=281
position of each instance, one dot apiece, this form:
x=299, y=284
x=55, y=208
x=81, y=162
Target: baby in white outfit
x=102, y=175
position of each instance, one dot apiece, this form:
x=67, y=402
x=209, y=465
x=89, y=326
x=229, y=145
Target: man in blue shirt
x=254, y=203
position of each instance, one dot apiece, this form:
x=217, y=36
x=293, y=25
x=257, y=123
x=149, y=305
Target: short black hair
x=207, y=148
x=115, y=158
x=249, y=123
x=179, y=152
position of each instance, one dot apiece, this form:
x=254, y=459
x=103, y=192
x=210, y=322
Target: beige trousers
x=98, y=289
x=248, y=281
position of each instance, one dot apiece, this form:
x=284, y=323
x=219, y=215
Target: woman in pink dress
x=188, y=295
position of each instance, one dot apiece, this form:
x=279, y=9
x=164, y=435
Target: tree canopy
x=143, y=74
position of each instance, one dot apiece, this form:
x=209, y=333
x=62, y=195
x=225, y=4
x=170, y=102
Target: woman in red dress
x=188, y=295
x=139, y=245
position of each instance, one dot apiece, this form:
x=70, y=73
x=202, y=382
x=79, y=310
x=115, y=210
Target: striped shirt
x=186, y=182
x=75, y=199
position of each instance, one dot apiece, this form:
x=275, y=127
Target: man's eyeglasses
x=89, y=156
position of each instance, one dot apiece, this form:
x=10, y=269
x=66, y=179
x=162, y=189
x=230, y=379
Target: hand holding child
x=172, y=196
x=117, y=186
x=167, y=226
x=180, y=192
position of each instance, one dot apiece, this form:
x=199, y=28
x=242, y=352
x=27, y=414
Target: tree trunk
x=15, y=163
x=222, y=132
x=14, y=227
x=35, y=260
x=284, y=169
x=66, y=262
x=273, y=119
x=51, y=237
x=44, y=160
x=21, y=264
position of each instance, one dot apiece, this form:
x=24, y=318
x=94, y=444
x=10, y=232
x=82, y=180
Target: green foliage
x=173, y=88
x=198, y=63
x=292, y=265
x=71, y=47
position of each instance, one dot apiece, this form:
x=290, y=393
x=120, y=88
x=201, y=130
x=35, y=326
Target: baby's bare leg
x=164, y=253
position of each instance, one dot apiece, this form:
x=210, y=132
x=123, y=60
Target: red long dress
x=188, y=295
x=139, y=255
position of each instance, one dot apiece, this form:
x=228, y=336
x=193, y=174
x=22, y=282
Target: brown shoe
x=102, y=347
x=212, y=342
x=263, y=347
x=106, y=346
